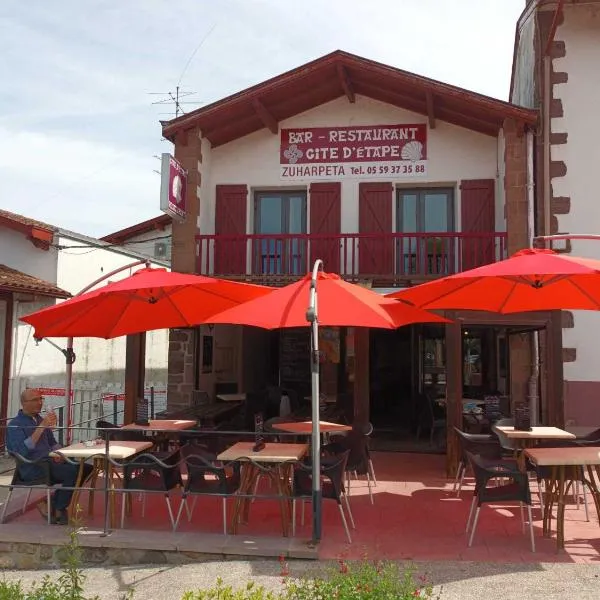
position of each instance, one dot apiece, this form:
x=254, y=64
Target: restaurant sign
x=173, y=186
x=370, y=151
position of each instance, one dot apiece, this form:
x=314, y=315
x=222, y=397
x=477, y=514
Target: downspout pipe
x=533, y=387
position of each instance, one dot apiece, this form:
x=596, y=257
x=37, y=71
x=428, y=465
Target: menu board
x=496, y=407
x=522, y=417
x=294, y=355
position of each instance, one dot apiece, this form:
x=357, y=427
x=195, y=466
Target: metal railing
x=354, y=256
x=215, y=441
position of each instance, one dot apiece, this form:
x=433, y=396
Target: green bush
x=361, y=580
x=358, y=581
x=226, y=592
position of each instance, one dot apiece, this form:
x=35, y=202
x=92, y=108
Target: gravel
x=459, y=580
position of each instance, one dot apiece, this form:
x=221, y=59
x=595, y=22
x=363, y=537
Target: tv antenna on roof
x=175, y=98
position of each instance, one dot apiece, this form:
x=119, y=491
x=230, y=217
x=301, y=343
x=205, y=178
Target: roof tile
x=22, y=220
x=12, y=280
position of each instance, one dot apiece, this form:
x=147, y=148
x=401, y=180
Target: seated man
x=31, y=436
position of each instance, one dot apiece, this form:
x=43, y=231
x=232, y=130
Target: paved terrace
x=415, y=516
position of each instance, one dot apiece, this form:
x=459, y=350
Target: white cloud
x=78, y=128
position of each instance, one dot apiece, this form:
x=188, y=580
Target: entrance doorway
x=408, y=381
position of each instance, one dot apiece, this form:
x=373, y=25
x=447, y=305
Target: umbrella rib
x=142, y=299
x=508, y=296
x=468, y=282
x=582, y=291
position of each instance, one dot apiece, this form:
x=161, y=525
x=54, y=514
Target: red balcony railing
x=391, y=256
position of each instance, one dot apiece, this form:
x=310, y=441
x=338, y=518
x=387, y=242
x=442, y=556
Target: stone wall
x=188, y=151
x=181, y=368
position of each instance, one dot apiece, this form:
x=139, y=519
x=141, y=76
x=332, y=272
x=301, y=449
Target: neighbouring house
x=151, y=238
x=42, y=263
x=555, y=71
x=392, y=179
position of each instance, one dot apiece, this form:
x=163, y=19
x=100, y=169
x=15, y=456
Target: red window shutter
x=376, y=254
x=326, y=218
x=478, y=216
x=230, y=222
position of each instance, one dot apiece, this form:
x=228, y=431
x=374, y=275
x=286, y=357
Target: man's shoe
x=42, y=507
x=60, y=518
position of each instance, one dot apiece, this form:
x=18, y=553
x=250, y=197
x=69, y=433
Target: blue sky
x=79, y=132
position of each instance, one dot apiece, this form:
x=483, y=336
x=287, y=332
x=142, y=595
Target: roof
x=12, y=280
x=41, y=234
x=118, y=237
x=338, y=74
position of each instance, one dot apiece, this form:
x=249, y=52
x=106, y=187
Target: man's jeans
x=66, y=474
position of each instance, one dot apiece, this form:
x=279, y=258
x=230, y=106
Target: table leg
x=551, y=489
x=72, y=510
x=593, y=486
x=279, y=474
x=245, y=487
x=253, y=473
x=560, y=511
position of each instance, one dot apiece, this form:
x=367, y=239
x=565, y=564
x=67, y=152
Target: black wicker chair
x=517, y=489
x=220, y=481
x=332, y=488
x=44, y=481
x=152, y=472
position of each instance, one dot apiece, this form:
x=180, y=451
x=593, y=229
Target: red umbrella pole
x=312, y=316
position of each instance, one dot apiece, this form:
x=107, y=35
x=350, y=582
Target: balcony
x=383, y=258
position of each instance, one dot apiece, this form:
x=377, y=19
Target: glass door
x=278, y=216
x=424, y=212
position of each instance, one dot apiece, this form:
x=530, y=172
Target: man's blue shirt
x=18, y=439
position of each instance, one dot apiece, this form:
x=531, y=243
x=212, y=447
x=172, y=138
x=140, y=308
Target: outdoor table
x=276, y=462
x=232, y=397
x=305, y=427
x=160, y=429
x=566, y=465
x=325, y=399
x=161, y=425
x=211, y=415
x=117, y=450
x=526, y=439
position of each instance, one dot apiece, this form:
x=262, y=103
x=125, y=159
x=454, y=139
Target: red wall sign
x=173, y=187
x=361, y=151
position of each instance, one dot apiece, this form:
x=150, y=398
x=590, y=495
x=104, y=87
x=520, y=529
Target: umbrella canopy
x=339, y=304
x=149, y=299
x=529, y=280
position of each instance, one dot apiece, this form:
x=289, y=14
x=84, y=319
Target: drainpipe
x=546, y=132
x=533, y=394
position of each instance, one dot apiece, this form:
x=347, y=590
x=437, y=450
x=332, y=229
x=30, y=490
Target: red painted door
x=325, y=218
x=376, y=251
x=478, y=217
x=230, y=222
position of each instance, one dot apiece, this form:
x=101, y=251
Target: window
x=424, y=212
x=280, y=225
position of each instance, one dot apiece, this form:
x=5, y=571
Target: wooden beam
x=269, y=121
x=135, y=361
x=453, y=391
x=553, y=408
x=430, y=112
x=361, y=376
x=7, y=338
x=345, y=83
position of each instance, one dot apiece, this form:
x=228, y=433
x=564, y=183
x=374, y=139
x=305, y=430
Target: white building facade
x=67, y=262
x=555, y=70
